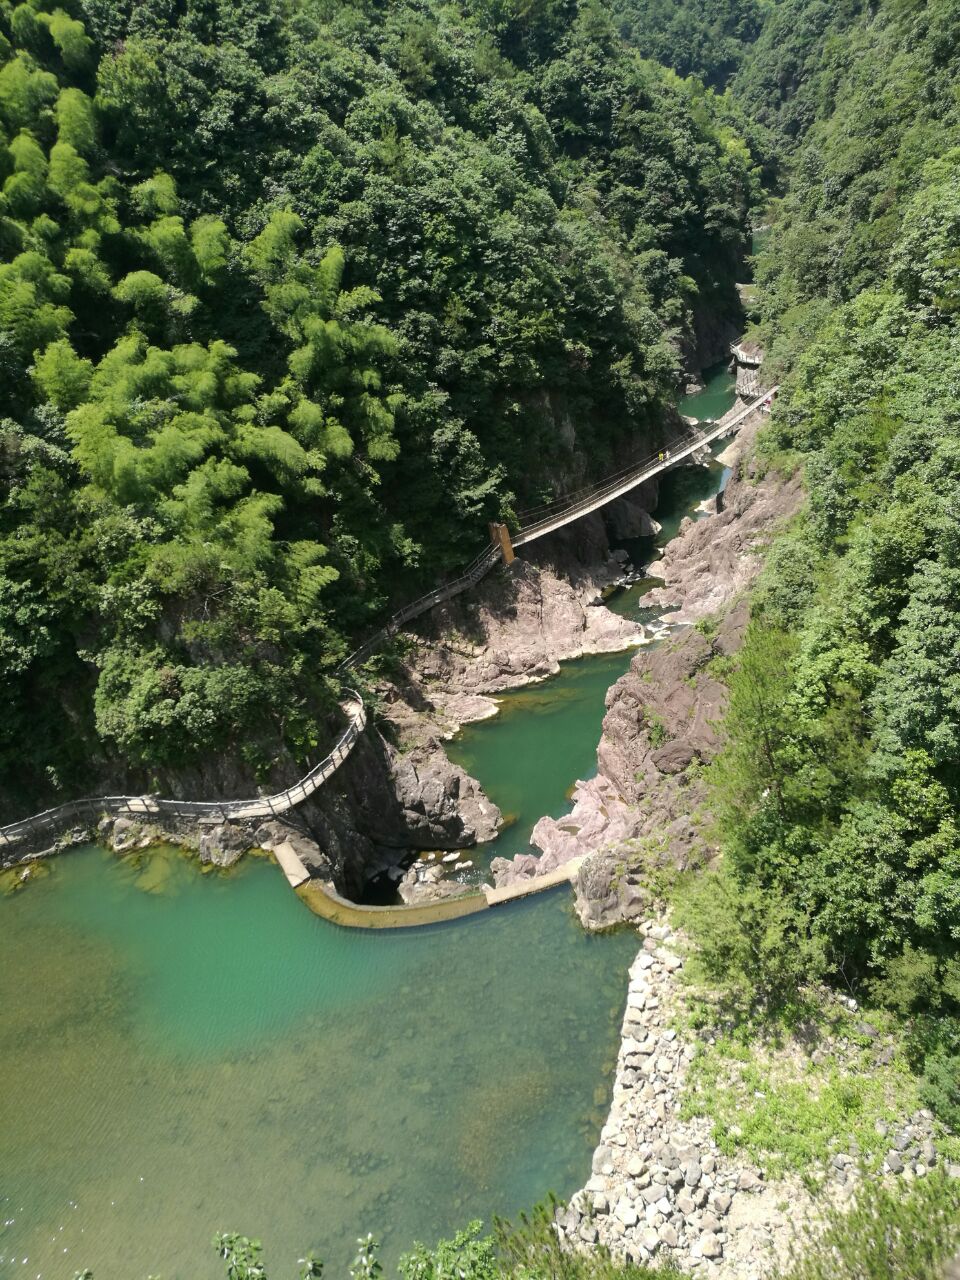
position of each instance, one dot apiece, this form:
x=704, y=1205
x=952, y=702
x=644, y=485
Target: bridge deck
x=645, y=471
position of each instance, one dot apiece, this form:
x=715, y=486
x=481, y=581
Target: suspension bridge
x=534, y=524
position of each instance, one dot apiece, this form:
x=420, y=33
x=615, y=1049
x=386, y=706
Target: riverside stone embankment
x=662, y=1190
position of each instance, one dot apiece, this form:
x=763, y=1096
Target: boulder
x=224, y=844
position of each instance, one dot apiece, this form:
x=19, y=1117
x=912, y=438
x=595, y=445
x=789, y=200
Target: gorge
x=161, y=1048
x=647, y=841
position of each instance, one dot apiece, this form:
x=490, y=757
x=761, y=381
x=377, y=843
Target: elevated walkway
x=30, y=832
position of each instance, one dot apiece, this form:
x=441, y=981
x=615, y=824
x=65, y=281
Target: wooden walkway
x=555, y=515
x=153, y=809
x=563, y=512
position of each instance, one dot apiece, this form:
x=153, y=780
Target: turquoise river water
x=187, y=1053
x=184, y=1053
x=545, y=736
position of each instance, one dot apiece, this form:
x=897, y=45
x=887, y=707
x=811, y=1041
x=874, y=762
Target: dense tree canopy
x=294, y=298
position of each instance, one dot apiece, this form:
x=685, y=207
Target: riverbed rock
x=442, y=805
x=645, y=807
x=608, y=893
x=629, y=516
x=635, y=813
x=122, y=834
x=514, y=628
x=224, y=843
x=268, y=835
x=386, y=799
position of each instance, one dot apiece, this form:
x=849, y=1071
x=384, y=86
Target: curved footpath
x=152, y=808
x=22, y=838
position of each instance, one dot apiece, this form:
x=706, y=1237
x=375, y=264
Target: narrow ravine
x=321, y=1082
x=544, y=737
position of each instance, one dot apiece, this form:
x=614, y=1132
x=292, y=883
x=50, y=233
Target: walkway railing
x=553, y=516
x=469, y=578
x=92, y=808
x=549, y=518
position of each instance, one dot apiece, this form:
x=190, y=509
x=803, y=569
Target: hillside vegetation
x=293, y=299
x=838, y=792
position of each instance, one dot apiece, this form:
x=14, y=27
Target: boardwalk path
x=537, y=524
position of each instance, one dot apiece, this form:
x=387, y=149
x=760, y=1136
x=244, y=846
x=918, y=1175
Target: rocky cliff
x=516, y=628
x=398, y=792
x=644, y=807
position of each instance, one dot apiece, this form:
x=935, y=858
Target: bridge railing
x=469, y=578
x=92, y=808
x=573, y=506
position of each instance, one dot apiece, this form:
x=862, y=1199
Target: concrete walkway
x=323, y=900
x=289, y=860
x=536, y=884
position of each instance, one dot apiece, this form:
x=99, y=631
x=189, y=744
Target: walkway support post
x=500, y=537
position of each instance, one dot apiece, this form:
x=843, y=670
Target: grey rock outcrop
x=384, y=799
x=442, y=805
x=224, y=843
x=609, y=891
x=640, y=807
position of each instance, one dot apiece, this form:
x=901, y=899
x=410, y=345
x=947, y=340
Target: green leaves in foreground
x=892, y=1231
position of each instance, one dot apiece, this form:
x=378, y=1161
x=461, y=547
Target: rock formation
x=644, y=805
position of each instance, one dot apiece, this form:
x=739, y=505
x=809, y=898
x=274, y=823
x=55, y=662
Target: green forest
x=297, y=295
x=838, y=791
x=294, y=298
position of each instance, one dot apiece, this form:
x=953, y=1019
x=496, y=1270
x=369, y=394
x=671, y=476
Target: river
x=186, y=1052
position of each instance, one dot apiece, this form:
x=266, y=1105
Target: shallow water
x=545, y=738
x=185, y=1053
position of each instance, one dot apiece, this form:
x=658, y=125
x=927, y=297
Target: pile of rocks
x=912, y=1151
x=661, y=1189
x=659, y=1184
